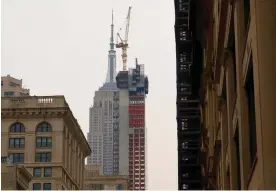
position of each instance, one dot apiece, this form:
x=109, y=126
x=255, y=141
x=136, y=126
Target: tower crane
x=124, y=42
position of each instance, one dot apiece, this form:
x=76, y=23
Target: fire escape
x=188, y=108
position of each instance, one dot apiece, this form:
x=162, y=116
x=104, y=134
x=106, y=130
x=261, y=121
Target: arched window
x=17, y=128
x=44, y=127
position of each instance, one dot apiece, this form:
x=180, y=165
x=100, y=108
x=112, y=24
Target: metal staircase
x=188, y=110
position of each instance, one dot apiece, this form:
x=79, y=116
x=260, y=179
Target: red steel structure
x=137, y=142
x=136, y=83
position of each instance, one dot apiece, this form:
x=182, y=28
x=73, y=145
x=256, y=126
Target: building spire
x=111, y=71
x=112, y=34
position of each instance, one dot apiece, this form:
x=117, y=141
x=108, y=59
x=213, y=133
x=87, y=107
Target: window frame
x=34, y=172
x=14, y=128
x=251, y=109
x=36, y=183
x=18, y=157
x=48, y=144
x=14, y=141
x=49, y=174
x=44, y=127
x=47, y=184
x=46, y=157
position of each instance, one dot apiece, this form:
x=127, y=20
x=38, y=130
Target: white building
x=103, y=136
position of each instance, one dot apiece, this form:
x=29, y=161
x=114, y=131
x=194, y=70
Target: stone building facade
x=238, y=94
x=42, y=134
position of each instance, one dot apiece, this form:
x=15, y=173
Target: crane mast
x=124, y=42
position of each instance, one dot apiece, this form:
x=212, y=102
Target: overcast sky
x=60, y=47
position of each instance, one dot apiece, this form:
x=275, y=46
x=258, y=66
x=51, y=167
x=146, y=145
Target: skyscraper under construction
x=133, y=87
x=117, y=130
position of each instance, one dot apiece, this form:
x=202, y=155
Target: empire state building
x=103, y=136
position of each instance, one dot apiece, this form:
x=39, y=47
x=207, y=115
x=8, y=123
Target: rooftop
x=34, y=102
x=109, y=87
x=38, y=102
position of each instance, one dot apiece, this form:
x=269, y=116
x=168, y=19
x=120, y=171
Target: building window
x=237, y=144
x=47, y=172
x=246, y=6
x=43, y=142
x=17, y=142
x=251, y=113
x=17, y=157
x=227, y=182
x=43, y=157
x=47, y=186
x=37, y=172
x=17, y=128
x=44, y=127
x=11, y=93
x=36, y=186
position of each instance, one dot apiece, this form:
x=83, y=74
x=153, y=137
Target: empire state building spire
x=112, y=35
x=111, y=72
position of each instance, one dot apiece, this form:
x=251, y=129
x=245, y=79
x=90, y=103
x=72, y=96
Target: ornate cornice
x=33, y=112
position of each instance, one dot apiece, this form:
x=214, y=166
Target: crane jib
x=124, y=42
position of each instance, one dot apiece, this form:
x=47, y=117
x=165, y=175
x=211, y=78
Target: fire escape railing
x=188, y=108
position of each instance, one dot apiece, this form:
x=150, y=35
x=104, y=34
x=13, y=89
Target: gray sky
x=59, y=47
